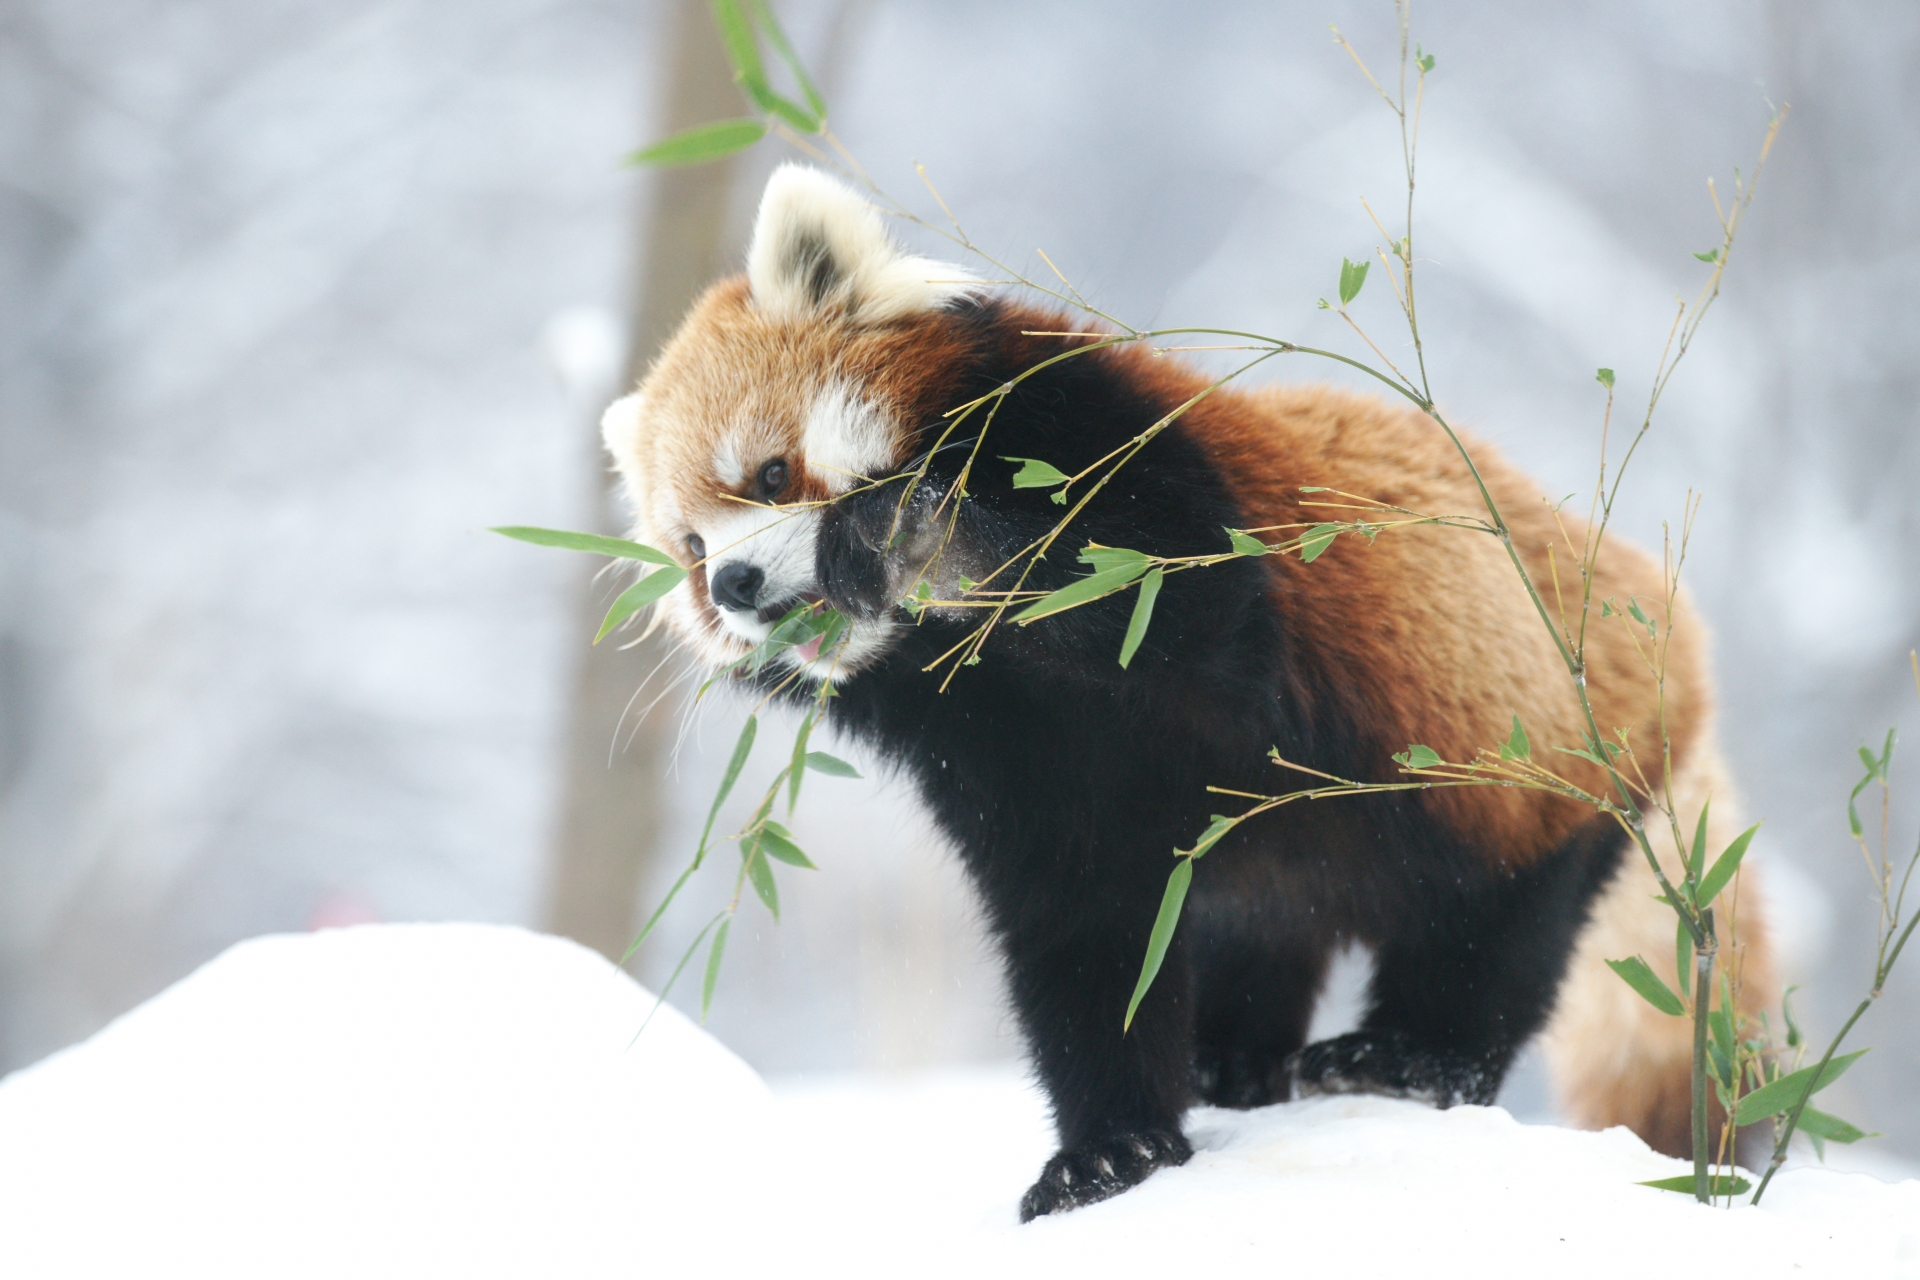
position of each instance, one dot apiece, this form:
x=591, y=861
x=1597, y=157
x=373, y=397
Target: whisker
x=615, y=745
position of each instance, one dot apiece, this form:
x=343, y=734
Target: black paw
x=1241, y=1081
x=1392, y=1064
x=1097, y=1170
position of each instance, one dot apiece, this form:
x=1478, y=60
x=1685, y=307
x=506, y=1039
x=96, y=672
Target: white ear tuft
x=620, y=429
x=620, y=426
x=817, y=245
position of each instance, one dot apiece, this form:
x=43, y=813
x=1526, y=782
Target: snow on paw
x=1394, y=1065
x=1242, y=1081
x=1101, y=1169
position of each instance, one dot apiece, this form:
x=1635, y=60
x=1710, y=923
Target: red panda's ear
x=620, y=429
x=818, y=247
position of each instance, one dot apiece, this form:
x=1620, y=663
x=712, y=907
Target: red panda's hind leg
x=1254, y=1001
x=1457, y=991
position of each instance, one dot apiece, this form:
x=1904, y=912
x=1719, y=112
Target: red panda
x=1065, y=782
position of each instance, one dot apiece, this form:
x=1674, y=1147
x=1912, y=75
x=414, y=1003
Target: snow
x=417, y=1100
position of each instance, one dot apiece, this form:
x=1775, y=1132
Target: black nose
x=736, y=586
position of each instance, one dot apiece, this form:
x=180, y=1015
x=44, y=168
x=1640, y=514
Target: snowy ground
x=459, y=1099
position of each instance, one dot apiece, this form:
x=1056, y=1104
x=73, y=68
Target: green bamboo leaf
x=797, y=626
x=1718, y=1184
x=1142, y=615
x=658, y=912
x=794, y=114
x=1634, y=971
x=760, y=874
x=772, y=103
x=1639, y=614
x=1425, y=60
x=763, y=18
x=1721, y=1072
x=1248, y=545
x=1210, y=837
x=1036, y=474
x=1876, y=772
x=1720, y=1026
x=797, y=766
x=701, y=143
x=736, y=34
x=1517, y=746
x=1697, y=857
x=639, y=596
x=750, y=72
x=1584, y=755
x=1728, y=863
x=1711, y=255
x=830, y=634
x=1352, y=276
x=1103, y=558
x=1419, y=757
x=741, y=749
x=1163, y=926
x=777, y=842
x=1831, y=1128
x=686, y=957
x=1316, y=540
x=1786, y=1092
x=1795, y=1037
x=587, y=542
x=832, y=766
x=1080, y=591
x=1605, y=378
x=1683, y=956
x=713, y=967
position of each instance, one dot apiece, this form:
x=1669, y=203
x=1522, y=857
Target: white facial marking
x=726, y=464
x=846, y=440
x=779, y=542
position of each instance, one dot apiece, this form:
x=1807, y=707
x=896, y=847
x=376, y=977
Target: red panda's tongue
x=810, y=650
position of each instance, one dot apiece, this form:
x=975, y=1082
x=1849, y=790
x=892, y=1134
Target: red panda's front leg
x=1117, y=1095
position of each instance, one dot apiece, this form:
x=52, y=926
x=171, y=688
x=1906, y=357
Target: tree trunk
x=613, y=795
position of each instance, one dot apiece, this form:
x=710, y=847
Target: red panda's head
x=782, y=391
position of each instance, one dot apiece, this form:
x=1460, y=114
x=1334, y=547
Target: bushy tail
x=1615, y=1059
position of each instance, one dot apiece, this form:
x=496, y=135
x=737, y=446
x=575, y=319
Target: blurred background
x=297, y=299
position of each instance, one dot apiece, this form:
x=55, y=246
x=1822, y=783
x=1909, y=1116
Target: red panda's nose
x=736, y=586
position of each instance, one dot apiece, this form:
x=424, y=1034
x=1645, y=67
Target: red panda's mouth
x=774, y=612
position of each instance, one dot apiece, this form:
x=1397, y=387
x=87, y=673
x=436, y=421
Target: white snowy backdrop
x=296, y=299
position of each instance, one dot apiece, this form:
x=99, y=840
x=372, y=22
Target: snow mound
x=432, y=1100
x=388, y=1099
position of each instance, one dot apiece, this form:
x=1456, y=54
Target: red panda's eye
x=696, y=547
x=773, y=477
